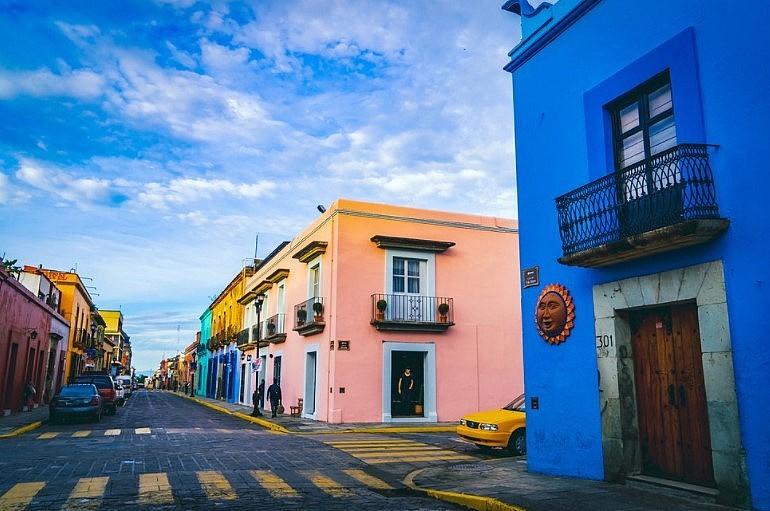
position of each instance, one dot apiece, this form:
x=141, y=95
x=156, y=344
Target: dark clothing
x=256, y=397
x=274, y=395
x=405, y=390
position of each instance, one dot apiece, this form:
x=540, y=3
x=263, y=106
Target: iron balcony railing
x=307, y=312
x=275, y=325
x=410, y=308
x=671, y=187
x=243, y=338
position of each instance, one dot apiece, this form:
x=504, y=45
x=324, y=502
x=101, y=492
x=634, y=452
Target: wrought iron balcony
x=412, y=312
x=276, y=332
x=243, y=338
x=309, y=316
x=665, y=202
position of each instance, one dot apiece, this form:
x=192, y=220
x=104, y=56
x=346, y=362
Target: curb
x=23, y=429
x=470, y=501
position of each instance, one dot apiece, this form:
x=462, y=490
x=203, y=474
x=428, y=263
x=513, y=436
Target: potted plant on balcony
x=318, y=310
x=381, y=306
x=443, y=309
x=301, y=317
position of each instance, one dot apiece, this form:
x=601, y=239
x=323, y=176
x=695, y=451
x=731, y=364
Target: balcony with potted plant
x=411, y=312
x=304, y=324
x=276, y=332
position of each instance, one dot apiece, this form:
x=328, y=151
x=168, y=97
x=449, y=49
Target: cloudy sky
x=147, y=144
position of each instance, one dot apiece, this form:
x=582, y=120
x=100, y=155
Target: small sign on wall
x=530, y=277
x=343, y=345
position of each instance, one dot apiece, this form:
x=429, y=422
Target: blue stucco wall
x=717, y=53
x=203, y=358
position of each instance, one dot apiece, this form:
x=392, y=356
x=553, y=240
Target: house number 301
x=604, y=341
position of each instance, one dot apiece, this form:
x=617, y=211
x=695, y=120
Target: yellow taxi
x=505, y=428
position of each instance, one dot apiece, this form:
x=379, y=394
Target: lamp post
x=258, y=301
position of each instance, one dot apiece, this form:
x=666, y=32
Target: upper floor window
x=314, y=279
x=407, y=275
x=643, y=122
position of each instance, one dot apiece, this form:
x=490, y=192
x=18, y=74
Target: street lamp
x=258, y=308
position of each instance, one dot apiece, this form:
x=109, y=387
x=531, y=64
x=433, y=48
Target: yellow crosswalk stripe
x=81, y=434
x=19, y=496
x=327, y=484
x=369, y=480
x=46, y=436
x=274, y=485
x=215, y=485
x=112, y=432
x=87, y=494
x=142, y=431
x=395, y=451
x=155, y=489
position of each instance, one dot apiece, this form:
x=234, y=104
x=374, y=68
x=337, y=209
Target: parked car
x=504, y=428
x=128, y=385
x=80, y=400
x=120, y=394
x=106, y=387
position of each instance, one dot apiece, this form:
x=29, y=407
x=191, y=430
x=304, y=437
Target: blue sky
x=147, y=143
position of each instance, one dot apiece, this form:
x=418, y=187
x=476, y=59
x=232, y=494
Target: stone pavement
x=501, y=484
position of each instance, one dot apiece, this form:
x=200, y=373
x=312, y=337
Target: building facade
x=370, y=290
x=202, y=364
x=637, y=126
x=32, y=339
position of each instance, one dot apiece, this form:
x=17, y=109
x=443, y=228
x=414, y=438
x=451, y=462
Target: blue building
x=203, y=361
x=644, y=240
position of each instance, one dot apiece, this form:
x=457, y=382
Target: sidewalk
x=502, y=484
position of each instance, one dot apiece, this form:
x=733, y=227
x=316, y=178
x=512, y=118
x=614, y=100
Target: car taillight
x=94, y=401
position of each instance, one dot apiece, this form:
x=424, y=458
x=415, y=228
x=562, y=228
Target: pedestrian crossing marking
x=142, y=431
x=370, y=481
x=81, y=434
x=155, y=489
x=274, y=485
x=112, y=432
x=215, y=485
x=327, y=484
x=395, y=451
x=19, y=496
x=46, y=436
x=87, y=494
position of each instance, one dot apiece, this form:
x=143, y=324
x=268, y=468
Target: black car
x=80, y=400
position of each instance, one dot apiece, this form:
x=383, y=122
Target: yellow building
x=226, y=323
x=117, y=345
x=79, y=310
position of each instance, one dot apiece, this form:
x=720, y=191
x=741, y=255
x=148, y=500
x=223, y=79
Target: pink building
x=31, y=329
x=450, y=286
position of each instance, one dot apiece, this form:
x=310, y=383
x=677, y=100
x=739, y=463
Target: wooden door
x=671, y=396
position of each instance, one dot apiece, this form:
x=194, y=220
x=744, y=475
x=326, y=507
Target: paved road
x=164, y=453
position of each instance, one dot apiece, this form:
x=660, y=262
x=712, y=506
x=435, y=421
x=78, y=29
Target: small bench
x=296, y=411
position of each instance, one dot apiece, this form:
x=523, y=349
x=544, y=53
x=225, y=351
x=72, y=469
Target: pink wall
x=478, y=361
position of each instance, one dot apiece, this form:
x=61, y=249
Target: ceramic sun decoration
x=554, y=314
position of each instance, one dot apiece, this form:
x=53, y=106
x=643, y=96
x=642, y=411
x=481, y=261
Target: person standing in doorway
x=256, y=398
x=261, y=389
x=405, y=387
x=274, y=395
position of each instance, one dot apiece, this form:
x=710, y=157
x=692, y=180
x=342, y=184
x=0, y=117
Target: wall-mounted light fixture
x=32, y=333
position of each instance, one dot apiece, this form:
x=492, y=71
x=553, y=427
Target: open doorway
x=407, y=383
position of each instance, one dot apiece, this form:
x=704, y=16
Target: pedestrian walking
x=261, y=389
x=274, y=395
x=29, y=394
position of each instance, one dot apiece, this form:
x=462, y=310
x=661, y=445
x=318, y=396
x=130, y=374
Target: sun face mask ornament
x=554, y=314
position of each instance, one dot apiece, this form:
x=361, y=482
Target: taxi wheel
x=517, y=444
